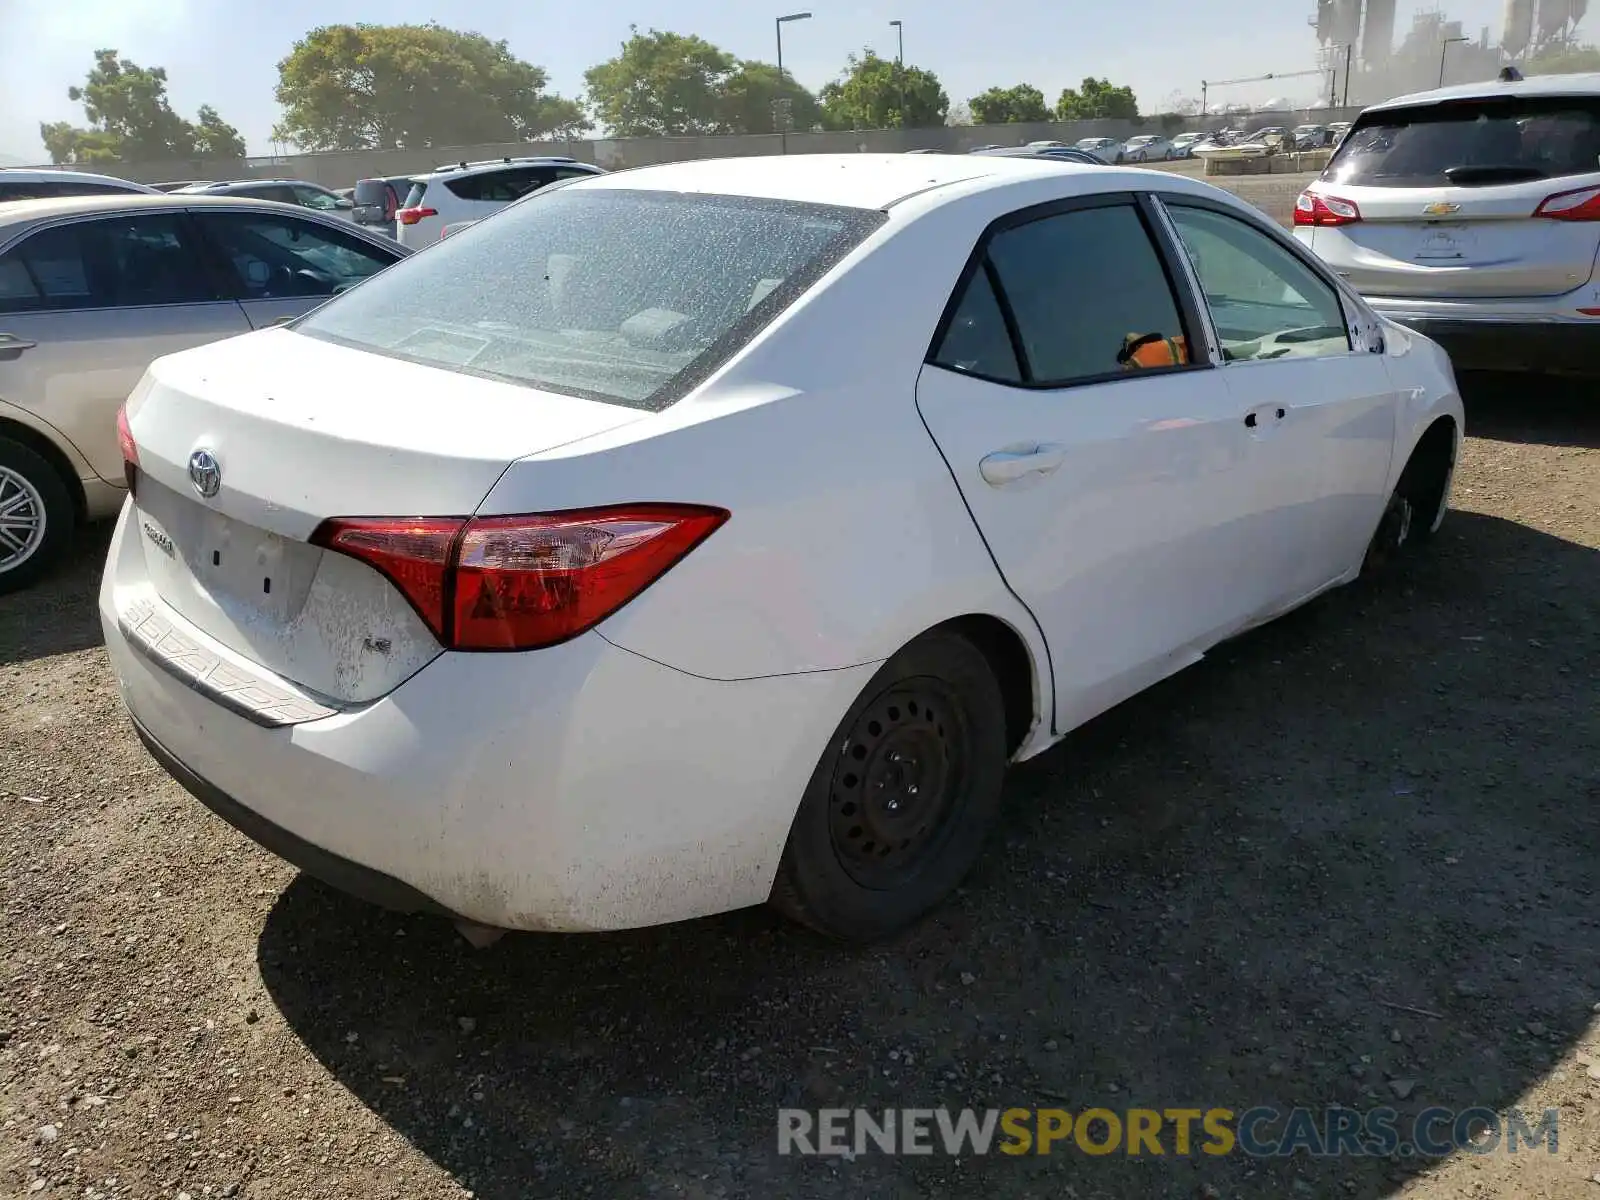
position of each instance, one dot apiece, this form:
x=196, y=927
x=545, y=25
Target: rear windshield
x=1469, y=143
x=415, y=195
x=624, y=296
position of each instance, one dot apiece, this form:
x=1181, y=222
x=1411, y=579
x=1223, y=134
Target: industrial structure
x=1361, y=62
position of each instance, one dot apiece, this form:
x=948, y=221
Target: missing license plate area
x=244, y=564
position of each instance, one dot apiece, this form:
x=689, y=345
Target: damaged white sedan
x=716, y=533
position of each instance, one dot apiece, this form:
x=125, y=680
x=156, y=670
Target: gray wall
x=342, y=169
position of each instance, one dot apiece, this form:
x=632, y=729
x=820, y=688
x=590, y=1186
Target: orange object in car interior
x=1153, y=350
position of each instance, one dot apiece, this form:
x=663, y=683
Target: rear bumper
x=1556, y=349
x=1517, y=339
x=582, y=787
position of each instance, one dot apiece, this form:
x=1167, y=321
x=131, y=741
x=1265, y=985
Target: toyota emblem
x=205, y=472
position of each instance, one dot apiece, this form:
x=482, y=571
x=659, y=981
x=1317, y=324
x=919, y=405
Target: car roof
x=483, y=168
x=227, y=183
x=868, y=181
x=26, y=212
x=28, y=175
x=1585, y=84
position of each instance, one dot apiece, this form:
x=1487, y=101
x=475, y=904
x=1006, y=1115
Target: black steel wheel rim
x=900, y=770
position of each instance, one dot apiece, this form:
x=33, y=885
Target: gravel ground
x=1215, y=895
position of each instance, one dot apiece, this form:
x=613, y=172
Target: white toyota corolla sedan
x=717, y=533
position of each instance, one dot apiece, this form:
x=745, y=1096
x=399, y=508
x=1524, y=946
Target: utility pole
x=1349, y=57
x=1444, y=49
x=782, y=120
x=900, y=67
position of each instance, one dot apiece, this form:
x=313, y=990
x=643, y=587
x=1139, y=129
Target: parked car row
x=442, y=653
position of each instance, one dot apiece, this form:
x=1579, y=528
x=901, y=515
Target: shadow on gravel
x=1542, y=410
x=1221, y=894
x=57, y=615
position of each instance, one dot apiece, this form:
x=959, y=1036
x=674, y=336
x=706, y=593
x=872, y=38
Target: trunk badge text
x=205, y=472
x=162, y=541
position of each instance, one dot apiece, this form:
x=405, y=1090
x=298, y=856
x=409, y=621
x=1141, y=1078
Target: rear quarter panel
x=848, y=536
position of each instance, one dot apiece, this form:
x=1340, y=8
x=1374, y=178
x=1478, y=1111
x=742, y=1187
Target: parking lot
x=1350, y=858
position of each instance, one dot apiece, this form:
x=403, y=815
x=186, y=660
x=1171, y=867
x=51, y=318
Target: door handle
x=1008, y=466
x=11, y=345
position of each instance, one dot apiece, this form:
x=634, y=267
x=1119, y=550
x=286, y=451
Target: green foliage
x=748, y=96
x=1566, y=61
x=215, y=138
x=1097, y=99
x=401, y=87
x=131, y=120
x=1009, y=106
x=876, y=93
x=664, y=85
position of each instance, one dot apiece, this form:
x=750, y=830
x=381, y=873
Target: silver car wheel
x=22, y=519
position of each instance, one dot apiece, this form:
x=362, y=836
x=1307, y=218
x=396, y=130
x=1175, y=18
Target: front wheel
x=901, y=801
x=36, y=516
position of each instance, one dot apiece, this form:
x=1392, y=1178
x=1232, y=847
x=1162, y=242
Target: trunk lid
x=300, y=430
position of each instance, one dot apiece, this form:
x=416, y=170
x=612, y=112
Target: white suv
x=1472, y=214
x=471, y=191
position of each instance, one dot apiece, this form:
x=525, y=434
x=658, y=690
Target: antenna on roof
x=1510, y=75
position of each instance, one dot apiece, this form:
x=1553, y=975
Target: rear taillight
x=129, y=448
x=410, y=216
x=520, y=583
x=1313, y=208
x=1583, y=204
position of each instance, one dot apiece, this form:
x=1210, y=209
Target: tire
x=876, y=846
x=36, y=516
x=1420, y=497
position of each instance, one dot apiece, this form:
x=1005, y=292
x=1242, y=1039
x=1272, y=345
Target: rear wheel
x=900, y=803
x=36, y=516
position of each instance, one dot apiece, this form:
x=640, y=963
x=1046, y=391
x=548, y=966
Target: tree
x=666, y=85
x=1566, y=60
x=749, y=94
x=404, y=87
x=1097, y=99
x=131, y=120
x=215, y=138
x=1009, y=106
x=875, y=93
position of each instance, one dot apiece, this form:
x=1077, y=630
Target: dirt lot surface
x=1221, y=894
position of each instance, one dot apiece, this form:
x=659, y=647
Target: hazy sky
x=225, y=52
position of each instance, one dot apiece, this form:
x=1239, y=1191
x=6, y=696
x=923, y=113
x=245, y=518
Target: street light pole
x=782, y=122
x=1444, y=49
x=900, y=67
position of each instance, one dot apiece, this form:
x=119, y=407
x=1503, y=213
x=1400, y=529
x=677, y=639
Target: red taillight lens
x=129, y=448
x=410, y=216
x=1580, y=205
x=520, y=583
x=1313, y=208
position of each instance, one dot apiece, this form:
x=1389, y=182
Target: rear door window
x=112, y=262
x=1089, y=296
x=275, y=255
x=1476, y=142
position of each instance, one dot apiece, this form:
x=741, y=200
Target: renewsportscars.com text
x=1260, y=1132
